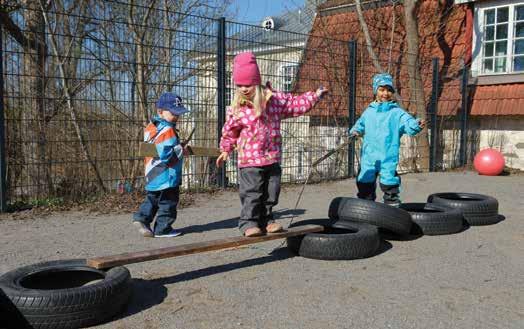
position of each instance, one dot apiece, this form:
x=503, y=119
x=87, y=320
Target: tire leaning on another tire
x=53, y=295
x=365, y=211
x=433, y=219
x=339, y=241
x=477, y=209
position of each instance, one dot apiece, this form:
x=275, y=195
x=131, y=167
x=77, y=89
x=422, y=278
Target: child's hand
x=321, y=91
x=221, y=159
x=352, y=133
x=422, y=123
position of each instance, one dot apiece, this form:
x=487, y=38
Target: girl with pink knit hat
x=253, y=127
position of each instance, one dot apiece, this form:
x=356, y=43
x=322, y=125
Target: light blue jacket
x=382, y=125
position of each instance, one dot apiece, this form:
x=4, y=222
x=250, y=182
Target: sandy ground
x=472, y=279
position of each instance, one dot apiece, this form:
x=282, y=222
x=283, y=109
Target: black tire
x=338, y=241
x=65, y=294
x=477, y=209
x=383, y=216
x=433, y=219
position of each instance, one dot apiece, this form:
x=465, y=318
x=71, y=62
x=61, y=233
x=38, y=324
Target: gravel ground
x=472, y=279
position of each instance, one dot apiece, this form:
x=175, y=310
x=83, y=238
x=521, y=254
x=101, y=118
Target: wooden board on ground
x=193, y=248
x=149, y=150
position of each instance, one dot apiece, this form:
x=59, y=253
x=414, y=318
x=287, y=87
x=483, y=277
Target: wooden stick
x=193, y=248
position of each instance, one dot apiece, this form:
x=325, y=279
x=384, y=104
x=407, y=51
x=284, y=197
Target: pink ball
x=489, y=162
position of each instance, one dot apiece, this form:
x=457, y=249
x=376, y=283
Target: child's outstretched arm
x=294, y=106
x=410, y=125
x=228, y=141
x=358, y=128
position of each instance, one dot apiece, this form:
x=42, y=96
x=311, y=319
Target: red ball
x=489, y=162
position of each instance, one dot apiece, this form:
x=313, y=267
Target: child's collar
x=383, y=106
x=157, y=120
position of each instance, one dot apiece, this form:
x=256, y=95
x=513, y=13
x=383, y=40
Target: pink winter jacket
x=258, y=140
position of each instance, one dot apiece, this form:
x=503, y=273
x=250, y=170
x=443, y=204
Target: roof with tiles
x=445, y=36
x=504, y=99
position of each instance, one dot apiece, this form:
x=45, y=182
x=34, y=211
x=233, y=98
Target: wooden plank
x=149, y=150
x=193, y=248
x=203, y=151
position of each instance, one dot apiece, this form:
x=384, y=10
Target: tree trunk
x=415, y=79
x=33, y=82
x=72, y=109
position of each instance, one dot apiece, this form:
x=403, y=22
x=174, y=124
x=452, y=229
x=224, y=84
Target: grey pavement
x=472, y=279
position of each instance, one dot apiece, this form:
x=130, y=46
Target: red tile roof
x=444, y=32
x=504, y=99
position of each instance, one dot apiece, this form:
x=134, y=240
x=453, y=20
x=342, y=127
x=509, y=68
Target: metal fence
x=80, y=84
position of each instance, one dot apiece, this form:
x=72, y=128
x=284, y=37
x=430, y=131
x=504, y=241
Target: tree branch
x=13, y=29
x=365, y=29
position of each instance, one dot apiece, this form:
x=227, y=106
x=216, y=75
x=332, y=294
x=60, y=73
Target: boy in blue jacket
x=382, y=124
x=163, y=173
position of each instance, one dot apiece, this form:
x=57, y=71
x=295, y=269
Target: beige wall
x=509, y=142
x=505, y=134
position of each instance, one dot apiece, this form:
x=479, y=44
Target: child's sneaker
x=395, y=204
x=274, y=228
x=143, y=229
x=171, y=234
x=253, y=231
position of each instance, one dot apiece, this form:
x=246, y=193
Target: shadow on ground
x=233, y=222
x=148, y=293
x=384, y=246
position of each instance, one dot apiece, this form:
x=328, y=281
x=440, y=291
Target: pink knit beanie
x=245, y=70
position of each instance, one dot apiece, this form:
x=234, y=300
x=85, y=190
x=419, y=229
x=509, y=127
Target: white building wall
x=509, y=140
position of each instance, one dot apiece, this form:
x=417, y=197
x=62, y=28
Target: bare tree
x=65, y=76
x=33, y=42
x=415, y=78
x=98, y=49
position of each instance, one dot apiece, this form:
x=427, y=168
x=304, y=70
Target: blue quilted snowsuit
x=382, y=124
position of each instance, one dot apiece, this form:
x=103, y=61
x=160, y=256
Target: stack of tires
x=355, y=227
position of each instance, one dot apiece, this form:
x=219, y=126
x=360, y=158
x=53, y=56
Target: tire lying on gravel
x=365, y=211
x=433, y=219
x=338, y=241
x=477, y=209
x=66, y=293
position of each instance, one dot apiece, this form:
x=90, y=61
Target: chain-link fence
x=80, y=83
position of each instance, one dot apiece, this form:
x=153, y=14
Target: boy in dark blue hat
x=163, y=173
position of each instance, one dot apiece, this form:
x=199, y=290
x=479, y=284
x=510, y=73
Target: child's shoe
x=395, y=204
x=253, y=231
x=274, y=228
x=143, y=229
x=170, y=234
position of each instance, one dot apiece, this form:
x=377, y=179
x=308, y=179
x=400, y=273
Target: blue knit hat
x=172, y=103
x=382, y=79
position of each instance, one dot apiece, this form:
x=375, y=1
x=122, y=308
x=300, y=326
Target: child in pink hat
x=253, y=127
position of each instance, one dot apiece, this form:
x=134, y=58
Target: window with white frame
x=288, y=73
x=501, y=37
